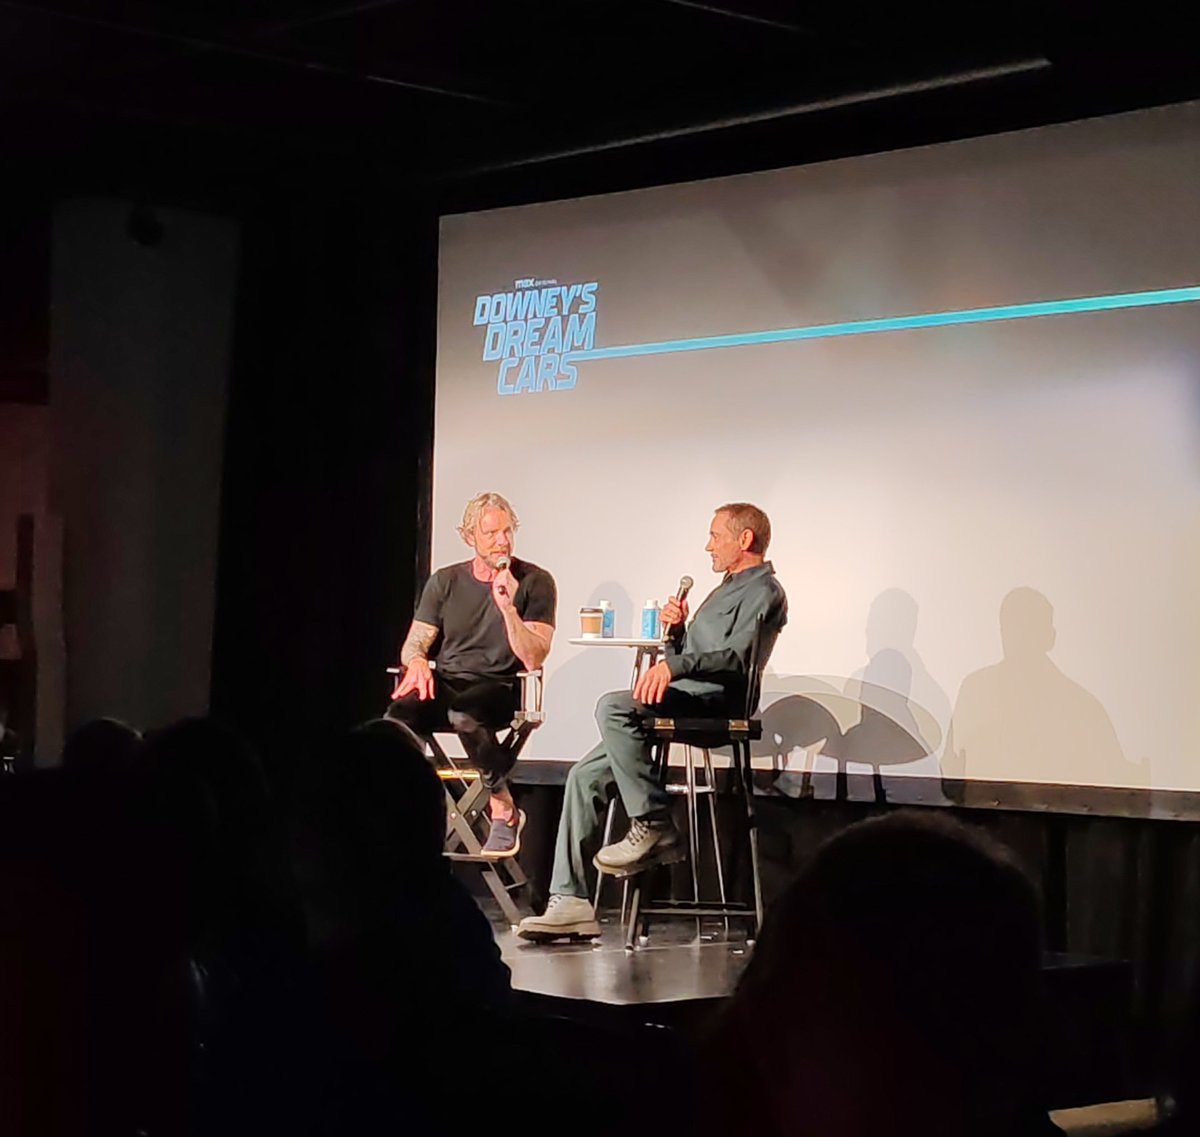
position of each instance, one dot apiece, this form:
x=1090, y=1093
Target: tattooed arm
x=418, y=642
x=414, y=658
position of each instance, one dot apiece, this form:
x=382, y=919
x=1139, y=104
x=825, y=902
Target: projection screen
x=963, y=382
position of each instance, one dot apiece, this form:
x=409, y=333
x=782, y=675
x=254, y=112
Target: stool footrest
x=690, y=908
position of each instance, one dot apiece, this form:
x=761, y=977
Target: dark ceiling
x=440, y=88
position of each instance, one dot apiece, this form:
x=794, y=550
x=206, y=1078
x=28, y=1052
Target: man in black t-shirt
x=484, y=620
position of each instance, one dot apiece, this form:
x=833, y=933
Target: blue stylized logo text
x=532, y=329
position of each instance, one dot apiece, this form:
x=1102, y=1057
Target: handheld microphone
x=502, y=563
x=681, y=593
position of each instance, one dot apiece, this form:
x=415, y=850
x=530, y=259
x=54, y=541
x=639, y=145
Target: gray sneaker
x=647, y=843
x=504, y=838
x=566, y=917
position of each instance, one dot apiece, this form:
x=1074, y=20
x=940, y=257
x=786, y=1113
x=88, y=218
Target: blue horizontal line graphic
x=900, y=323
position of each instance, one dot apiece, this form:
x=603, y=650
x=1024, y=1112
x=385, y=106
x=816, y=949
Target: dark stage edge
x=898, y=790
x=680, y=982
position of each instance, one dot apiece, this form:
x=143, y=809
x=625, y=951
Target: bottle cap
x=605, y=604
x=651, y=603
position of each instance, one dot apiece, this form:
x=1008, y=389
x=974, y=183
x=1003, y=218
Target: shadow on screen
x=1023, y=720
x=889, y=714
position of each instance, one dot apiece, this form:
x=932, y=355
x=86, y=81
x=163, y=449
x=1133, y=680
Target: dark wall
x=24, y=293
x=139, y=362
x=326, y=463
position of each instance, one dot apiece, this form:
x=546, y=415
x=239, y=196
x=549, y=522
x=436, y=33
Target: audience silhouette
x=103, y=747
x=378, y=892
x=1183, y=1089
x=175, y=959
x=894, y=990
x=399, y=957
x=222, y=884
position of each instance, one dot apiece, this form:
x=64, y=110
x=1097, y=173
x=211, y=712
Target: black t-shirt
x=473, y=641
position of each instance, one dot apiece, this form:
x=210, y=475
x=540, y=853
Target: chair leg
x=512, y=914
x=608, y=828
x=742, y=756
x=460, y=820
x=716, y=837
x=631, y=928
x=693, y=813
x=631, y=897
x=460, y=833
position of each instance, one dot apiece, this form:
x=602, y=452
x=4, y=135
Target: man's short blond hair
x=742, y=516
x=476, y=508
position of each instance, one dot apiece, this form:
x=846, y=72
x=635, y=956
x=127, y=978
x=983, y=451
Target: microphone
x=685, y=586
x=502, y=563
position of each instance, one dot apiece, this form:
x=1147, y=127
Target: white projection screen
x=963, y=381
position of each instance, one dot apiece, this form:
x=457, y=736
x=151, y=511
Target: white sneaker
x=565, y=916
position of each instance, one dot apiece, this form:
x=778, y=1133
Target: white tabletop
x=614, y=641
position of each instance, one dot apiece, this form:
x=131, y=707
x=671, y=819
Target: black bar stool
x=703, y=735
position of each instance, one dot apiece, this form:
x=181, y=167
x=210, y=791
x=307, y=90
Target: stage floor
x=676, y=973
x=680, y=981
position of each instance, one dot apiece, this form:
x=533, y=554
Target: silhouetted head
x=206, y=803
x=888, y=674
x=891, y=621
x=895, y=987
x=1026, y=624
x=377, y=821
x=1185, y=1068
x=218, y=763
x=102, y=747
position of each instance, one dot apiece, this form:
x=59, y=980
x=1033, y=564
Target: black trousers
x=474, y=709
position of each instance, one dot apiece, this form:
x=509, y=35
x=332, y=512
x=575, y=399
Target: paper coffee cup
x=591, y=623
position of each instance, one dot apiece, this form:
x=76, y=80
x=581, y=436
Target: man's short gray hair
x=743, y=516
x=476, y=507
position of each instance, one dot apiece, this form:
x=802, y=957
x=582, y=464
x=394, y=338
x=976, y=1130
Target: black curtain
x=326, y=479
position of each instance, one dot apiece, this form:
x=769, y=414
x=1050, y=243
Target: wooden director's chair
x=467, y=798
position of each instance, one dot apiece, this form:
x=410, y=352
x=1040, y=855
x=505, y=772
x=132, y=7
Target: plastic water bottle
x=609, y=625
x=650, y=620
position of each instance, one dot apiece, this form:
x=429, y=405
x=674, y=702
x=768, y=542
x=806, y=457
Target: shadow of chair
x=825, y=722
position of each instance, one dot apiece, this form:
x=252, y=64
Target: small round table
x=647, y=651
